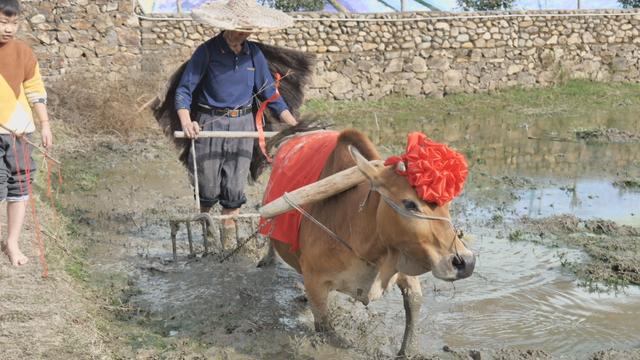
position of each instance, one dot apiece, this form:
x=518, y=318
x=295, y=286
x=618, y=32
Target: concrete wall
x=360, y=56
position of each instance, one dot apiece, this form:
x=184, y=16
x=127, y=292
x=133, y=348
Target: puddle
x=519, y=296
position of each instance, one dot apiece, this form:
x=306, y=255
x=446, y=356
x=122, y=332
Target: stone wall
x=360, y=56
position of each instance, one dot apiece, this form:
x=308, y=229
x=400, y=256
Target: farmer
x=230, y=69
x=21, y=89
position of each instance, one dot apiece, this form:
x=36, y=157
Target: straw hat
x=241, y=15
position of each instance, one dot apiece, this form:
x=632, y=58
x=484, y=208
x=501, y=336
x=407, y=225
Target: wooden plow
x=303, y=196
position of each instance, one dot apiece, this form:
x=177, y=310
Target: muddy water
x=519, y=296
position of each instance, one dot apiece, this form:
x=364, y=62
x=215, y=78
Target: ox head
x=421, y=232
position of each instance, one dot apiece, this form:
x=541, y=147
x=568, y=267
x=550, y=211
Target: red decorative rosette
x=434, y=170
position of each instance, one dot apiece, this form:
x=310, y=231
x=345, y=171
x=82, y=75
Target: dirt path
x=52, y=317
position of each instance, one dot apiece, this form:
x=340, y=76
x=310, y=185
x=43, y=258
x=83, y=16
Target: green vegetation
x=295, y=5
x=485, y=5
x=517, y=235
x=627, y=183
x=629, y=4
x=586, y=96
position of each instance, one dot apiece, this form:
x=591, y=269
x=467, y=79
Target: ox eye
x=410, y=205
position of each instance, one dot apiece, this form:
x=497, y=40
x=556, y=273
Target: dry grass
x=92, y=106
x=51, y=317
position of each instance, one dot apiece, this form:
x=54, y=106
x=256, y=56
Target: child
x=21, y=87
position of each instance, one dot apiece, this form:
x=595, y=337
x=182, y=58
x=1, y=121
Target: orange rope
x=261, y=139
x=33, y=209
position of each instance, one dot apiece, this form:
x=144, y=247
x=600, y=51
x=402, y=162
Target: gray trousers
x=223, y=164
x=13, y=171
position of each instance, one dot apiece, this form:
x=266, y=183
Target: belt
x=225, y=112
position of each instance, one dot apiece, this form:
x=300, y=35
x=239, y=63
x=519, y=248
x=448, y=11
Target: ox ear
x=368, y=170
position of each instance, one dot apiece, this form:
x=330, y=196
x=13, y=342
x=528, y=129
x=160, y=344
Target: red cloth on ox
x=298, y=162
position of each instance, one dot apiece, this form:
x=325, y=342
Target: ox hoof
x=336, y=340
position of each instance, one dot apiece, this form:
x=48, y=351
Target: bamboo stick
x=43, y=151
x=317, y=191
x=226, y=134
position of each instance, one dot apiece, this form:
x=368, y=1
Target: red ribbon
x=434, y=170
x=263, y=144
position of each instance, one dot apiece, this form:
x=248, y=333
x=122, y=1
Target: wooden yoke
x=317, y=191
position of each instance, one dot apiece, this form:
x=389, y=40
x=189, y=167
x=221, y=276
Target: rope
x=295, y=206
x=261, y=141
x=255, y=234
x=30, y=194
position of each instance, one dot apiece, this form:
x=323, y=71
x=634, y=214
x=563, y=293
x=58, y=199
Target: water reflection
x=499, y=145
x=505, y=146
x=585, y=200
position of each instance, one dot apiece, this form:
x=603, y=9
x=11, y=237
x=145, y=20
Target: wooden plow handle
x=317, y=191
x=226, y=134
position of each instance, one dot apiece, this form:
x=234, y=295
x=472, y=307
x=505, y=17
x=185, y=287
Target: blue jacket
x=228, y=80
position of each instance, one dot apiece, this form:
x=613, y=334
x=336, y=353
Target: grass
x=590, y=94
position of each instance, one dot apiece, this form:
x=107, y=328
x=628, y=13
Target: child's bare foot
x=16, y=257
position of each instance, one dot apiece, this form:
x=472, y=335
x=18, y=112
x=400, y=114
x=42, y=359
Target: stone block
x=124, y=59
x=428, y=88
x=38, y=19
x=80, y=24
x=394, y=65
x=72, y=52
x=106, y=50
x=341, y=86
x=419, y=64
x=439, y=62
x=414, y=86
x=452, y=78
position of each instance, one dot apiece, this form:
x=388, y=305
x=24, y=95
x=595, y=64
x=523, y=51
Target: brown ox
x=387, y=245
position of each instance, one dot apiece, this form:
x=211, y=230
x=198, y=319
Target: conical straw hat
x=241, y=15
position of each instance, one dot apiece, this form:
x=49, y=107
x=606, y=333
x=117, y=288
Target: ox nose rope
x=295, y=206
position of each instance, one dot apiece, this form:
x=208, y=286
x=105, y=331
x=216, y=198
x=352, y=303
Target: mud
x=200, y=308
x=526, y=204
x=607, y=135
x=614, y=259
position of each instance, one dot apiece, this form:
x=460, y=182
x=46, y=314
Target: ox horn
x=368, y=170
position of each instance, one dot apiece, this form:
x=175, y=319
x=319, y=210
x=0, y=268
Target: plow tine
x=190, y=238
x=174, y=231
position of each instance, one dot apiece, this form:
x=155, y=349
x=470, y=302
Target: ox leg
x=412, y=296
x=318, y=294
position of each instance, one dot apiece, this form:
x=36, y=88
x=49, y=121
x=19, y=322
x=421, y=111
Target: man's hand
x=47, y=137
x=288, y=118
x=191, y=128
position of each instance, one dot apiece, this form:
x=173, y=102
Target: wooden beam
x=317, y=191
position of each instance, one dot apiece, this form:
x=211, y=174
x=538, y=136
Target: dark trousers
x=223, y=164
x=15, y=158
